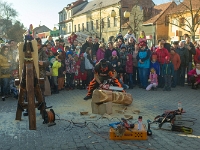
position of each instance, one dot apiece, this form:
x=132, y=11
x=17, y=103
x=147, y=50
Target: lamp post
x=126, y=15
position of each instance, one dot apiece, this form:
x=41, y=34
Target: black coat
x=85, y=46
x=184, y=56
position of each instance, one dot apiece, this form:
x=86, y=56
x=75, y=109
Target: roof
x=42, y=28
x=184, y=6
x=96, y=4
x=74, y=4
x=159, y=10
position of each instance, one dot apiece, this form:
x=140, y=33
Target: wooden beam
x=30, y=95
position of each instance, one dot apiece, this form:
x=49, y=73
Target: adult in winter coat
x=143, y=58
x=87, y=44
x=195, y=76
x=5, y=71
x=89, y=64
x=191, y=49
x=161, y=53
x=176, y=61
x=101, y=52
x=184, y=56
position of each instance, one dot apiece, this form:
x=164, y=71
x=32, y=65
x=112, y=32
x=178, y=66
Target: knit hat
x=114, y=53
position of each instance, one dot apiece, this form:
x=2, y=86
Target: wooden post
x=30, y=95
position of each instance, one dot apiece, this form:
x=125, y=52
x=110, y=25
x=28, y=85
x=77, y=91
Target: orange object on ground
x=134, y=134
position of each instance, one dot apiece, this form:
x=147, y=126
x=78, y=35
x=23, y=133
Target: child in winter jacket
x=83, y=73
x=154, y=64
x=55, y=67
x=77, y=76
x=129, y=70
x=114, y=60
x=70, y=70
x=61, y=73
x=153, y=79
x=167, y=73
x=195, y=76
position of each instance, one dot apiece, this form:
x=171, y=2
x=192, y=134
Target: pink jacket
x=153, y=78
x=100, y=54
x=193, y=72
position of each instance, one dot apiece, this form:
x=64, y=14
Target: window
x=70, y=28
x=79, y=28
x=61, y=17
x=82, y=26
x=108, y=19
x=97, y=24
x=64, y=17
x=66, y=28
x=115, y=21
x=92, y=25
x=87, y=26
x=182, y=21
x=102, y=23
x=166, y=21
x=74, y=28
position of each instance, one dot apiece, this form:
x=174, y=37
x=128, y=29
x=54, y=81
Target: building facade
x=157, y=26
x=65, y=16
x=96, y=17
x=183, y=20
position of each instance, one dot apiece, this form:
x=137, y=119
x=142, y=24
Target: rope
x=86, y=124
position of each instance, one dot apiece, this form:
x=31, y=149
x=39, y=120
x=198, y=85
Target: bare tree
x=186, y=16
x=7, y=14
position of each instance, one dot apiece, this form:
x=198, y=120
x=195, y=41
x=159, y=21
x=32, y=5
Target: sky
x=44, y=12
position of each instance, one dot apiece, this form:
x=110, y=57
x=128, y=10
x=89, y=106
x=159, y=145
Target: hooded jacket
x=129, y=64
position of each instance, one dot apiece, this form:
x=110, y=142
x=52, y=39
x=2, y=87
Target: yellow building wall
x=107, y=32
x=181, y=32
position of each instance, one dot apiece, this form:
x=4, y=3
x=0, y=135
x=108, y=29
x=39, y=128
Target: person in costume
x=102, y=71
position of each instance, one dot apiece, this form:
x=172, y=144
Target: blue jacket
x=144, y=55
x=156, y=66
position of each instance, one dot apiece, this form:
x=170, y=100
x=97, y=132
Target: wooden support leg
x=30, y=96
x=20, y=103
x=39, y=97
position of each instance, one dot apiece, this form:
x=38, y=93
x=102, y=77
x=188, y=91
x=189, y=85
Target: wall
x=162, y=28
x=95, y=15
x=181, y=32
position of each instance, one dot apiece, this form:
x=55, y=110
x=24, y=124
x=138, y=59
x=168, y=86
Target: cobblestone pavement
x=15, y=135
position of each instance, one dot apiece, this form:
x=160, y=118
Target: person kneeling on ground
x=102, y=71
x=195, y=76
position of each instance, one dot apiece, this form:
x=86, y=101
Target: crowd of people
x=72, y=65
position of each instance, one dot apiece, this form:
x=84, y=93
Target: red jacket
x=162, y=53
x=71, y=39
x=193, y=72
x=176, y=61
x=129, y=64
